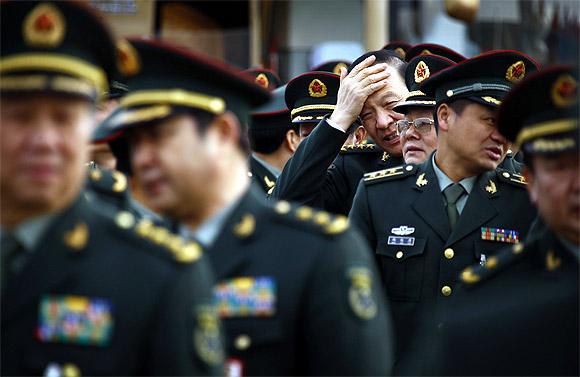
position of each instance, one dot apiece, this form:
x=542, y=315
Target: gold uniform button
x=446, y=290
x=449, y=253
x=399, y=255
x=242, y=342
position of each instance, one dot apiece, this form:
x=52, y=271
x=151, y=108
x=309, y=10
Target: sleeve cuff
x=334, y=125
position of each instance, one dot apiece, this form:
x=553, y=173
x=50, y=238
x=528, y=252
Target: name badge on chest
x=246, y=297
x=75, y=319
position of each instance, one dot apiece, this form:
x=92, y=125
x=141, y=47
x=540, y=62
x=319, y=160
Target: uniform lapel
x=479, y=208
x=54, y=262
x=429, y=205
x=261, y=174
x=230, y=251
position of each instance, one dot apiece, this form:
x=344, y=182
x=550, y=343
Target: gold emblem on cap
x=564, y=91
x=262, y=80
x=516, y=71
x=421, y=72
x=337, y=68
x=77, y=237
x=127, y=58
x=426, y=52
x=401, y=52
x=44, y=26
x=317, y=89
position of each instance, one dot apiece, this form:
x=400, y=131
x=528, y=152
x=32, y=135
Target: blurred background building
x=293, y=36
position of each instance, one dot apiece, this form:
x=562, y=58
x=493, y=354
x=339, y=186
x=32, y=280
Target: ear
x=292, y=140
x=532, y=186
x=443, y=116
x=225, y=129
x=360, y=134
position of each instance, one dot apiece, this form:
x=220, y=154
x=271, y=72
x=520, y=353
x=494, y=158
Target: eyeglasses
x=422, y=125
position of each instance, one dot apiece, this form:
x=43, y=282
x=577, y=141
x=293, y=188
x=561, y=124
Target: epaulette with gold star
x=182, y=250
x=107, y=181
x=314, y=219
x=389, y=174
x=360, y=148
x=473, y=275
x=512, y=178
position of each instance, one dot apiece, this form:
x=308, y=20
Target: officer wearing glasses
x=416, y=132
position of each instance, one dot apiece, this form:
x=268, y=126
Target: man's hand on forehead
x=355, y=87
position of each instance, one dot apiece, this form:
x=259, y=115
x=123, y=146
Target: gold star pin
x=77, y=237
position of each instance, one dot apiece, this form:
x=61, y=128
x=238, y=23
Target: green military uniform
x=401, y=212
x=287, y=279
x=298, y=270
x=267, y=131
x=109, y=297
x=84, y=292
x=262, y=175
x=109, y=188
x=316, y=176
x=520, y=310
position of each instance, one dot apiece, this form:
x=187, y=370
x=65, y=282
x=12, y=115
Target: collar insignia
x=77, y=237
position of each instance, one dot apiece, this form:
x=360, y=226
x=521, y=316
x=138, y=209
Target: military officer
x=417, y=130
x=520, y=309
x=315, y=175
x=287, y=278
x=273, y=140
x=422, y=235
x=82, y=292
x=266, y=78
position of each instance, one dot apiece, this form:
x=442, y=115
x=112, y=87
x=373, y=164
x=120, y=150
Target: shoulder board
x=360, y=148
x=473, y=275
x=319, y=221
x=182, y=250
x=108, y=181
x=511, y=178
x=389, y=174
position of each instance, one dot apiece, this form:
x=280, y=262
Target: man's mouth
x=494, y=153
x=392, y=139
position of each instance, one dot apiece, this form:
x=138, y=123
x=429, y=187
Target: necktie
x=452, y=194
x=11, y=249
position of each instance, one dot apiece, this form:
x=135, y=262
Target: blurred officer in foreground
x=417, y=131
x=367, y=95
x=82, y=292
x=520, y=309
x=287, y=278
x=273, y=140
x=427, y=222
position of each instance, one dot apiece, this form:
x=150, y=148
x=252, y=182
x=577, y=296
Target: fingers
x=343, y=73
x=370, y=89
x=362, y=65
x=380, y=76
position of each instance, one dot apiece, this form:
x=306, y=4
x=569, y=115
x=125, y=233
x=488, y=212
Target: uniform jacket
x=262, y=176
x=93, y=272
x=521, y=311
x=401, y=213
x=315, y=176
x=321, y=311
